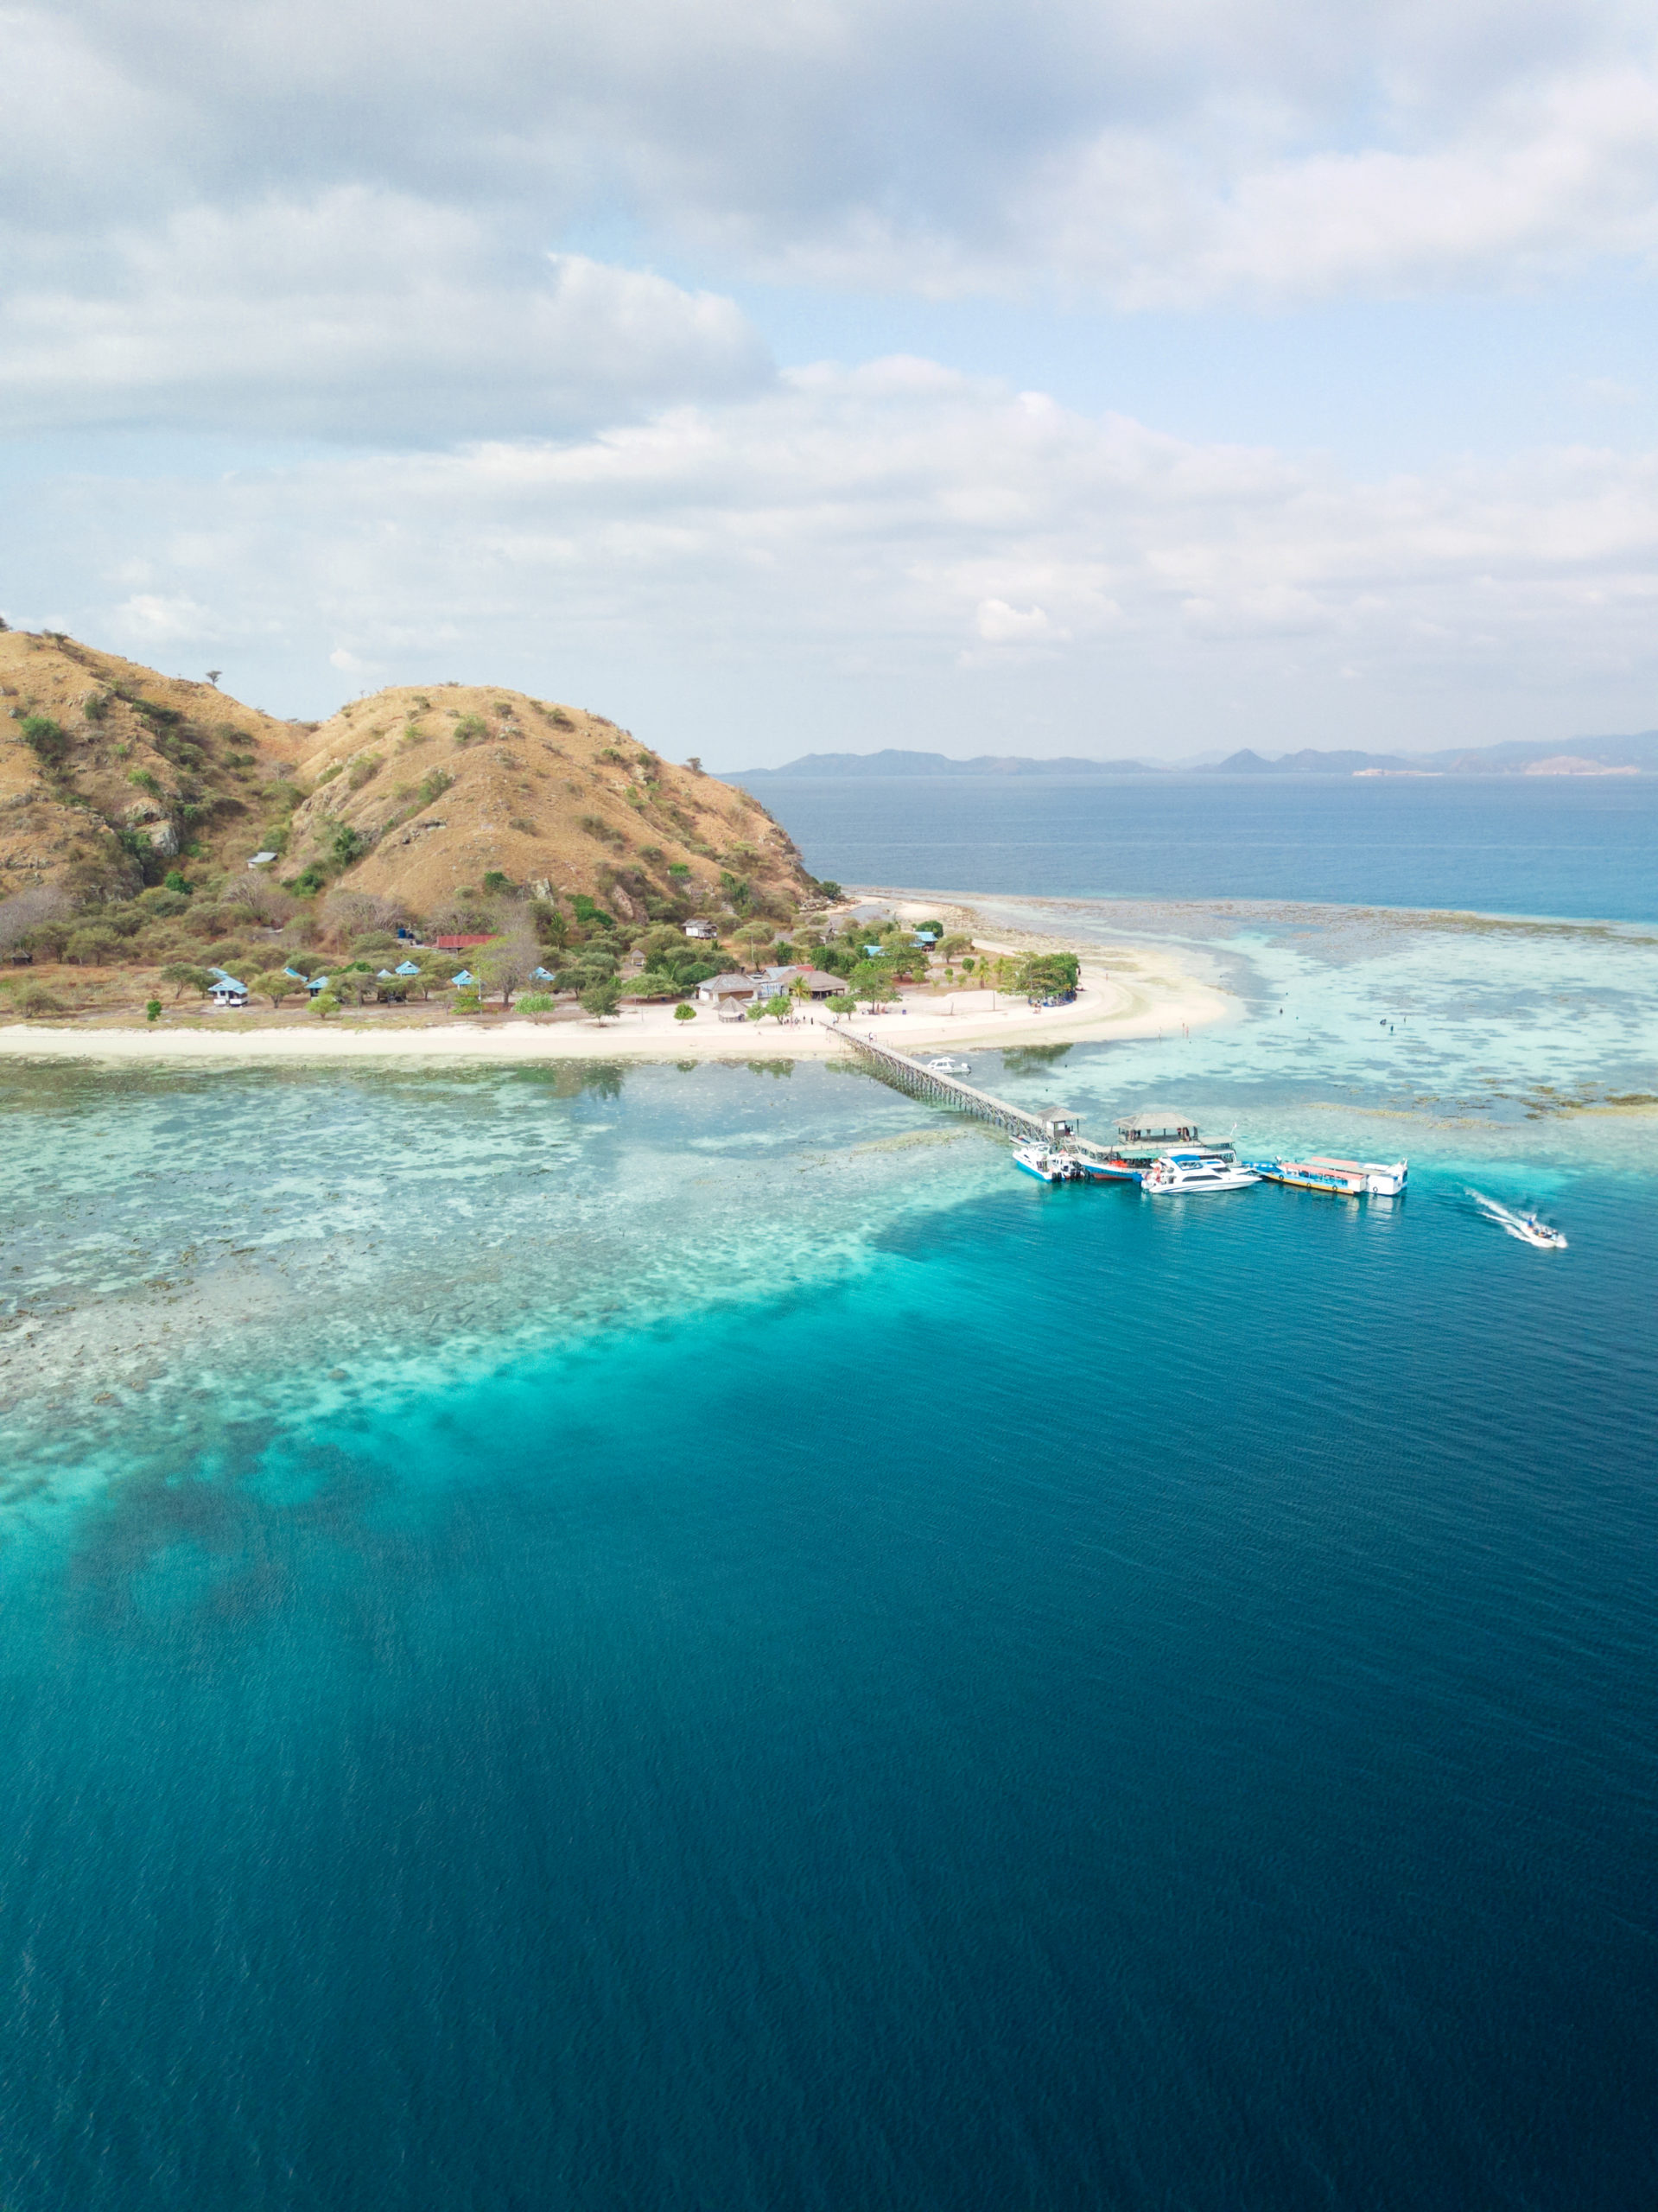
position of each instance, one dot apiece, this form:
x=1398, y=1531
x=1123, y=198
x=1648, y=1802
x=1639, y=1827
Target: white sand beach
x=1125, y=991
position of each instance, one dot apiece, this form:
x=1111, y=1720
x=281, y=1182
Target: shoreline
x=1134, y=989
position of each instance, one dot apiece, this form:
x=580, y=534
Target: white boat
x=945, y=1065
x=1345, y=1178
x=1525, y=1226
x=1193, y=1168
x=1045, y=1163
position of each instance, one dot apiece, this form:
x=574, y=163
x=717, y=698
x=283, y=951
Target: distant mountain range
x=1513, y=757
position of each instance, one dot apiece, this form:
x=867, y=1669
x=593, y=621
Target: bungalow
x=228, y=992
x=406, y=967
x=705, y=931
x=773, y=983
x=717, y=987
x=822, y=986
x=315, y=983
x=465, y=981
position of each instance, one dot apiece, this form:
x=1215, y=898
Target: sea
x=633, y=1636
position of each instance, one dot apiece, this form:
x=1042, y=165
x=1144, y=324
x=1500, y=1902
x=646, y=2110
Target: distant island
x=1579, y=756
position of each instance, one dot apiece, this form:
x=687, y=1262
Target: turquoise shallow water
x=682, y=1637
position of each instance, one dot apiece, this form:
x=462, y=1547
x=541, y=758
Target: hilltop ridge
x=111, y=773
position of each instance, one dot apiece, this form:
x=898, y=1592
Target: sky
x=1039, y=378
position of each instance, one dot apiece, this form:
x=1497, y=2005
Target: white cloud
x=865, y=544
x=149, y=619
x=1205, y=150
x=999, y=624
x=359, y=314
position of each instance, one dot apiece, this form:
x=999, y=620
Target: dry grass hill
x=130, y=767
x=434, y=791
x=110, y=774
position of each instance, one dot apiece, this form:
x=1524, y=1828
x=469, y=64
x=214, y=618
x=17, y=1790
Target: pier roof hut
x=1058, y=1122
x=1158, y=1125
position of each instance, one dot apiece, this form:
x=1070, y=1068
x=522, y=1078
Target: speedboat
x=1525, y=1226
x=945, y=1065
x=1045, y=1163
x=1191, y=1169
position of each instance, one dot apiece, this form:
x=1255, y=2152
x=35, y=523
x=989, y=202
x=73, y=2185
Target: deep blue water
x=1100, y=1704
x=672, y=1641
x=1502, y=845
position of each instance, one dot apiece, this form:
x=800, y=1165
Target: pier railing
x=923, y=1082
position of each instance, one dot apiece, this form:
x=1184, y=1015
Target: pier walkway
x=1031, y=1125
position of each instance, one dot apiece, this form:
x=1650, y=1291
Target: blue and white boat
x=1046, y=1164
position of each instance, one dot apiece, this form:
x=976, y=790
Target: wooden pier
x=1052, y=1125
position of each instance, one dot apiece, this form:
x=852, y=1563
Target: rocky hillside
x=110, y=774
x=109, y=770
x=424, y=796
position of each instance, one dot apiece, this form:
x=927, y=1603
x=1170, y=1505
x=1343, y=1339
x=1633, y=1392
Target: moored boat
x=1345, y=1178
x=1196, y=1168
x=1046, y=1163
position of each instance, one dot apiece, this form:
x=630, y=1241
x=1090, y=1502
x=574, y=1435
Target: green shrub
x=469, y=728
x=537, y=1003
x=45, y=739
x=683, y=1013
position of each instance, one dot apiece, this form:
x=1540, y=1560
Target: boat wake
x=1525, y=1226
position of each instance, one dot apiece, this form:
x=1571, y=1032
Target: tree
x=507, y=966
x=213, y=675
x=36, y=999
x=324, y=1004
x=831, y=889
x=184, y=976
x=92, y=946
x=274, y=985
x=843, y=1002
x=26, y=911
x=780, y=1007
x=683, y=1013
x=601, y=998
x=1048, y=975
